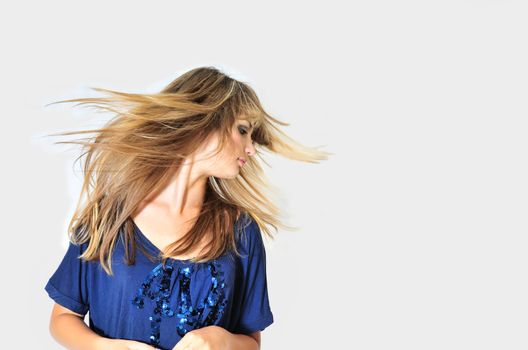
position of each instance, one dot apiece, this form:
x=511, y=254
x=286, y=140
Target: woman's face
x=227, y=163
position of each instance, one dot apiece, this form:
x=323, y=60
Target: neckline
x=154, y=249
x=151, y=246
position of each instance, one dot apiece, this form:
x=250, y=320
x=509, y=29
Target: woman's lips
x=241, y=161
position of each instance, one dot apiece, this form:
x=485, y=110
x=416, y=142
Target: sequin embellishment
x=160, y=293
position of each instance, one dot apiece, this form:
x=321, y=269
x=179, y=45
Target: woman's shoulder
x=247, y=232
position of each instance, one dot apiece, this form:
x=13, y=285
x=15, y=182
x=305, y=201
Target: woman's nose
x=250, y=150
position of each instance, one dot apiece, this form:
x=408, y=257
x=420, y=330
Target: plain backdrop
x=412, y=235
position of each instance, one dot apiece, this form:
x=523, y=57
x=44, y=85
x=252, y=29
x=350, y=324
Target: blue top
x=149, y=303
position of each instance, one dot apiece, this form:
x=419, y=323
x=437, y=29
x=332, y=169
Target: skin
x=170, y=214
x=171, y=208
x=184, y=195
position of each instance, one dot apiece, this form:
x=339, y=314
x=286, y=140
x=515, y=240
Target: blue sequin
x=157, y=288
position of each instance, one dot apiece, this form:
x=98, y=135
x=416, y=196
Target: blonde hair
x=136, y=153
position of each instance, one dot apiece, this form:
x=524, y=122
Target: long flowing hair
x=136, y=153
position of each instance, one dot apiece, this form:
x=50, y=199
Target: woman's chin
x=233, y=175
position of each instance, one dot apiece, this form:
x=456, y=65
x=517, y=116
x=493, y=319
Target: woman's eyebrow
x=250, y=125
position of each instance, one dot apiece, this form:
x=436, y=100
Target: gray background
x=412, y=236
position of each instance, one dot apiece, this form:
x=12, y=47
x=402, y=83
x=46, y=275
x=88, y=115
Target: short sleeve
x=255, y=313
x=67, y=286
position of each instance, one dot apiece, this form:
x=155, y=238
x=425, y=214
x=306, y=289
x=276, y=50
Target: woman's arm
x=69, y=330
x=216, y=337
x=246, y=342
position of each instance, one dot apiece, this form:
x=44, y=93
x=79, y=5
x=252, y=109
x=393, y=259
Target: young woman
x=166, y=251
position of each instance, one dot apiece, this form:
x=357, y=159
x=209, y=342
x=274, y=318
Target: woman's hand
x=123, y=344
x=206, y=338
